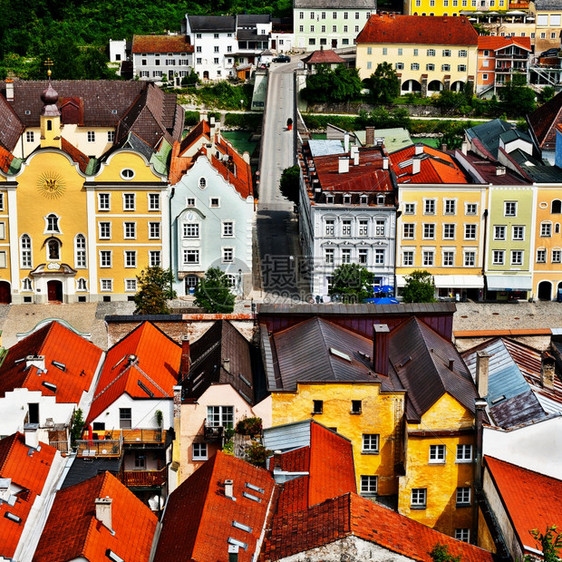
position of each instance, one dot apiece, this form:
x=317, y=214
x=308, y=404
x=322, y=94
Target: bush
x=257, y=454
x=249, y=426
x=191, y=118
x=246, y=121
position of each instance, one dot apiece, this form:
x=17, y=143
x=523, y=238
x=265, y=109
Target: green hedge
x=191, y=118
x=246, y=121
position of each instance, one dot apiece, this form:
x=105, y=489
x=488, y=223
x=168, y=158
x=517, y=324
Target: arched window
x=80, y=251
x=52, y=223
x=53, y=249
x=81, y=284
x=202, y=183
x=26, y=258
x=556, y=208
x=27, y=284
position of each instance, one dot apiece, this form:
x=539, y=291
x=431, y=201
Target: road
x=276, y=222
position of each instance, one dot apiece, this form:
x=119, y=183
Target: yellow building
x=78, y=228
x=429, y=53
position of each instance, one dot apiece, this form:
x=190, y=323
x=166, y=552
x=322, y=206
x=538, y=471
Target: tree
x=340, y=84
x=213, y=292
x=384, y=84
x=440, y=553
x=352, y=282
x=546, y=94
x=419, y=287
x=290, y=183
x=76, y=426
x=551, y=544
x=517, y=99
x=155, y=289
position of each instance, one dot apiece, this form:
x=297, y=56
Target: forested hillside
x=75, y=33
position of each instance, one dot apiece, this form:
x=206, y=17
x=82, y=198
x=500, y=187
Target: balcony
x=213, y=433
x=143, y=478
x=132, y=437
x=99, y=448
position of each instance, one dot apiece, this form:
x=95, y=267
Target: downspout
x=170, y=243
x=484, y=245
x=480, y=407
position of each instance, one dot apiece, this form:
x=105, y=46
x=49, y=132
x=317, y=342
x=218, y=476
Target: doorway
x=5, y=293
x=54, y=291
x=545, y=291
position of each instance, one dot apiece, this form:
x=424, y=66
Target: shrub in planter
x=257, y=454
x=249, y=426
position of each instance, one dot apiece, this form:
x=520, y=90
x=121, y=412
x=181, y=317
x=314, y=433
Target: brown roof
x=323, y=57
x=161, y=44
x=428, y=30
x=11, y=128
x=543, y=122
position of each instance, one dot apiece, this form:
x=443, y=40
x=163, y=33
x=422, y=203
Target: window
x=409, y=208
x=379, y=227
x=546, y=229
x=104, y=230
x=190, y=257
x=130, y=258
x=154, y=258
x=369, y=50
x=329, y=227
x=445, y=67
x=556, y=256
x=448, y=258
x=130, y=285
x=461, y=68
x=428, y=231
x=215, y=202
x=154, y=230
x=409, y=230
x=449, y=231
x=498, y=257
x=363, y=227
x=470, y=232
x=130, y=230
x=431, y=52
x=129, y=202
x=104, y=202
x=516, y=257
x=541, y=255
x=25, y=247
x=228, y=255
x=355, y=407
x=369, y=485
x=408, y=258
x=510, y=208
x=499, y=232
x=329, y=255
x=379, y=256
x=191, y=230
x=105, y=258
x=446, y=52
x=346, y=255
x=3, y=260
x=469, y=258
x=428, y=257
x=125, y=418
x=362, y=256
x=437, y=453
x=414, y=66
x=52, y=223
x=464, y=453
x=429, y=207
x=317, y=406
x=463, y=53
x=450, y=206
x=556, y=207
x=30, y=136
x=220, y=416
x=27, y=284
x=370, y=443
x=153, y=201
x=418, y=498
x=518, y=233
x=346, y=227
x=462, y=535
x=334, y=29
x=199, y=452
x=127, y=174
x=301, y=15
x=80, y=251
x=110, y=136
x=216, y=49
x=91, y=136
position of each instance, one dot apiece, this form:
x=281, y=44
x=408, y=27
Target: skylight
x=340, y=354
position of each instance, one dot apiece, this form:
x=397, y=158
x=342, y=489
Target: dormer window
x=381, y=199
x=329, y=199
x=364, y=199
x=346, y=199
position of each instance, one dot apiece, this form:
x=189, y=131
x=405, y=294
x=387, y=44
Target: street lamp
x=241, y=105
x=240, y=288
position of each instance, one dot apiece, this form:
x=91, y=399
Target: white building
x=117, y=50
x=347, y=211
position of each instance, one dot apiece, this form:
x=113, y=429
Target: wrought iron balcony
x=143, y=478
x=213, y=432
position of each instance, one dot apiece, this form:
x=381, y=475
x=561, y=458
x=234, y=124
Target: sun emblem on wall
x=51, y=185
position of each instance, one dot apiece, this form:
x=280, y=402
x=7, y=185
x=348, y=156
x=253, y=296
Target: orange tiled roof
x=352, y=515
x=161, y=44
x=532, y=500
x=6, y=158
x=495, y=42
x=76, y=155
x=423, y=30
x=61, y=345
x=204, y=534
x=28, y=469
x=72, y=530
x=435, y=166
x=155, y=366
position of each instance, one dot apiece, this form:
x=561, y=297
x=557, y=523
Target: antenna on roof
x=48, y=63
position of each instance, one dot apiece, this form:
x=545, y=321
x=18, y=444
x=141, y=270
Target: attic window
x=114, y=111
x=202, y=183
x=27, y=112
x=112, y=556
x=340, y=354
x=127, y=174
x=251, y=497
x=146, y=389
x=58, y=365
x=498, y=399
x=237, y=543
x=12, y=517
x=49, y=386
x=244, y=379
x=241, y=526
x=255, y=488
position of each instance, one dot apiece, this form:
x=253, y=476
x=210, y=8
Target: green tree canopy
x=352, y=282
x=384, y=84
x=340, y=84
x=440, y=553
x=213, y=292
x=155, y=289
x=419, y=287
x=517, y=99
x=551, y=544
x=290, y=182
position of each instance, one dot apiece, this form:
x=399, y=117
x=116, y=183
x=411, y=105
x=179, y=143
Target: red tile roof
x=28, y=469
x=61, y=345
x=204, y=534
x=6, y=158
x=496, y=42
x=73, y=531
x=147, y=357
x=77, y=156
x=532, y=500
x=424, y=30
x=352, y=515
x=324, y=56
x=435, y=166
x=161, y=44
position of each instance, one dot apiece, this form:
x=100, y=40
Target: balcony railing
x=143, y=478
x=213, y=433
x=135, y=436
x=99, y=448
x=60, y=446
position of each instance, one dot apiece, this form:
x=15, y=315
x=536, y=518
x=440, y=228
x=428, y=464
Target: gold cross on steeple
x=48, y=63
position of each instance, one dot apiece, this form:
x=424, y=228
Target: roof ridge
x=127, y=367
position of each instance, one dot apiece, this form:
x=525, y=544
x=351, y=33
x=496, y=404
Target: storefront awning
x=509, y=282
x=458, y=281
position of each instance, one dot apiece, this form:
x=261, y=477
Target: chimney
x=418, y=148
x=381, y=340
x=500, y=170
x=31, y=435
x=355, y=155
x=346, y=142
x=369, y=136
x=177, y=401
x=480, y=408
x=444, y=147
x=547, y=371
x=185, y=358
x=482, y=373
x=416, y=165
x=103, y=511
x=233, y=552
x=343, y=165
x=385, y=163
x=464, y=147
x=9, y=89
x=229, y=489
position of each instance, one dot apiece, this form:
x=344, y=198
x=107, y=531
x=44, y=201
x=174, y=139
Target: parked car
x=282, y=58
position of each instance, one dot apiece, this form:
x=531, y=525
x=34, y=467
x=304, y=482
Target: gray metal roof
x=212, y=23
x=287, y=437
x=358, y=309
x=325, y=147
x=253, y=19
x=489, y=134
x=536, y=169
x=541, y=5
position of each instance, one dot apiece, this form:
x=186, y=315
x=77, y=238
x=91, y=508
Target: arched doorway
x=412, y=86
x=205, y=75
x=457, y=86
x=5, y=293
x=545, y=291
x=54, y=291
x=434, y=86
